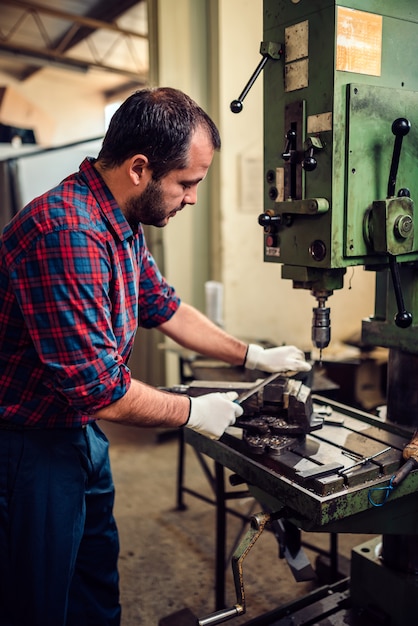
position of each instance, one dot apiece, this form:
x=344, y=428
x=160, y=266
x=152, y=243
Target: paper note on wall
x=251, y=183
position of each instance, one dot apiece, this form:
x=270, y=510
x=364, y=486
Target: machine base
x=373, y=584
x=328, y=605
x=374, y=595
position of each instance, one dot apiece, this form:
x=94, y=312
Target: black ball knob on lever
x=404, y=193
x=312, y=144
x=236, y=106
x=401, y=127
x=267, y=220
x=309, y=163
x=290, y=146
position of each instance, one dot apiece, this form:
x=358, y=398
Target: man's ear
x=139, y=169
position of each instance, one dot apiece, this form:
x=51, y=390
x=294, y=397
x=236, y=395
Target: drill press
x=341, y=173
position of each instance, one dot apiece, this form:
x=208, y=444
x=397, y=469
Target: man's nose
x=191, y=196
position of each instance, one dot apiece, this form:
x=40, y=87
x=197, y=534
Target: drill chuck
x=321, y=327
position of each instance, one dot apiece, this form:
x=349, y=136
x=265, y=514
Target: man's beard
x=148, y=208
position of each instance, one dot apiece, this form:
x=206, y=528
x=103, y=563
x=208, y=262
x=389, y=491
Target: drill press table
x=328, y=481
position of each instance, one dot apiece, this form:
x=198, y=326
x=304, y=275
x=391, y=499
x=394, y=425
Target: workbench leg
x=333, y=557
x=180, y=472
x=220, y=537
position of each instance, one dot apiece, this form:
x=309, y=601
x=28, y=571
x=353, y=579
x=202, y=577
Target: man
x=76, y=279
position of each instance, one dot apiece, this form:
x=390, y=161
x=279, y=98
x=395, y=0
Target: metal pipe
x=258, y=523
x=221, y=616
x=400, y=552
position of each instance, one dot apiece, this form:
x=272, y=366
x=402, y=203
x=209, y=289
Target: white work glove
x=212, y=413
x=281, y=359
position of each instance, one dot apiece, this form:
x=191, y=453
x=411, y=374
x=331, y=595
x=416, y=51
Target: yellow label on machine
x=359, y=42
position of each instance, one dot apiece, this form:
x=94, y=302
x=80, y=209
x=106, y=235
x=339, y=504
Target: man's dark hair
x=159, y=123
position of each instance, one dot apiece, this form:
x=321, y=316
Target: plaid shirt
x=75, y=282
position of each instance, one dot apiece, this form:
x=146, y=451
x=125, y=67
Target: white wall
x=76, y=112
x=183, y=63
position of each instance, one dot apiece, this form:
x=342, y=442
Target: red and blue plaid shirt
x=75, y=282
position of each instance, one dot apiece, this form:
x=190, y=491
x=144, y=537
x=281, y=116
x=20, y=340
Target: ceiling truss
x=76, y=42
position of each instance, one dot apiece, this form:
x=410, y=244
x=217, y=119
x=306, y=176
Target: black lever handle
x=290, y=144
x=236, y=105
x=269, y=50
x=400, y=128
x=403, y=318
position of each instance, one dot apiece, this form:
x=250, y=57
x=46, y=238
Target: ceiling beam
x=47, y=57
x=82, y=20
x=106, y=11
x=81, y=27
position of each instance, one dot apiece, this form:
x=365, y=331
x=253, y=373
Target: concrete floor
x=167, y=556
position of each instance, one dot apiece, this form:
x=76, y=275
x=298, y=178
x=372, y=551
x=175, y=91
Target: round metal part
x=276, y=445
x=403, y=226
x=279, y=426
x=273, y=193
x=270, y=177
x=255, y=443
x=271, y=434
x=318, y=250
x=257, y=425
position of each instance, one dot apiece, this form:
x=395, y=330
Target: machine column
x=400, y=552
